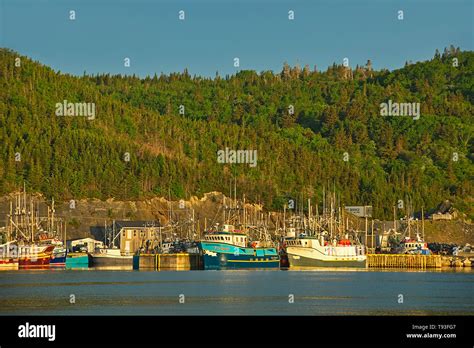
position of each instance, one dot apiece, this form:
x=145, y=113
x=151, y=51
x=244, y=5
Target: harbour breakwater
x=168, y=262
x=403, y=261
x=416, y=261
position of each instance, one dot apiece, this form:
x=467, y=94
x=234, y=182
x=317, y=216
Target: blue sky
x=258, y=32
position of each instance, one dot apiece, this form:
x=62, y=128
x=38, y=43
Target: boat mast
x=244, y=219
x=366, y=229
x=372, y=244
x=423, y=223
x=394, y=219
x=409, y=220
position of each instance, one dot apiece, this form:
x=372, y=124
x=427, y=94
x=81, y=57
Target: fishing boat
x=8, y=256
x=228, y=249
x=58, y=258
x=34, y=256
x=311, y=251
x=414, y=246
x=111, y=257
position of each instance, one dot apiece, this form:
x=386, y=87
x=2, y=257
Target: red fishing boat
x=35, y=256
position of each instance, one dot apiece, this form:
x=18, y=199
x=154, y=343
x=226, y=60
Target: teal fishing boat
x=228, y=249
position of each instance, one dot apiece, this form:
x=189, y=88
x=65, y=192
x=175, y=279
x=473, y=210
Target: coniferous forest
x=173, y=125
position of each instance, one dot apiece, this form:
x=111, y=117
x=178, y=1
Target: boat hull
x=284, y=261
x=101, y=260
x=8, y=264
x=77, y=260
x=35, y=257
x=229, y=261
x=302, y=261
x=220, y=256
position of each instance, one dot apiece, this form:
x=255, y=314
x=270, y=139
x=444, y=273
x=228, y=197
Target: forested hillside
x=336, y=111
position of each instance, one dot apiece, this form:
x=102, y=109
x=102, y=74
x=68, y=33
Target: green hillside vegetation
x=336, y=111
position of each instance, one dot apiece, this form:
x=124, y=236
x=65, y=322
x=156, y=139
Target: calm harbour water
x=316, y=292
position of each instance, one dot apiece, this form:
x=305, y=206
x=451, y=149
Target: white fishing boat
x=307, y=251
x=414, y=246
